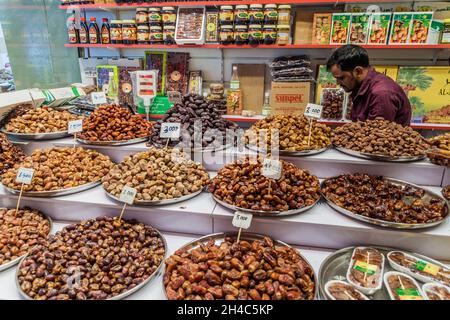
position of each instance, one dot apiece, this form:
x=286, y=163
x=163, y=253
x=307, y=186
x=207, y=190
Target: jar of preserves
x=270, y=34
x=154, y=16
x=141, y=15
x=226, y=15
x=283, y=35
x=226, y=34
x=256, y=14
x=169, y=34
x=284, y=14
x=270, y=14
x=143, y=34
x=241, y=14
x=241, y=34
x=116, y=31
x=156, y=34
x=255, y=35
x=169, y=17
x=129, y=32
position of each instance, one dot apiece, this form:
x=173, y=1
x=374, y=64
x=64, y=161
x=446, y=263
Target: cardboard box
x=379, y=28
x=108, y=81
x=125, y=62
x=400, y=28
x=252, y=78
x=434, y=33
x=321, y=28
x=304, y=19
x=60, y=96
x=359, y=28
x=88, y=69
x=379, y=7
x=289, y=98
x=420, y=27
x=340, y=28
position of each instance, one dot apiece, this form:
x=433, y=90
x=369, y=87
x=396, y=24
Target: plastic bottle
x=266, y=109
x=72, y=32
x=94, y=32
x=106, y=36
x=84, y=31
x=234, y=83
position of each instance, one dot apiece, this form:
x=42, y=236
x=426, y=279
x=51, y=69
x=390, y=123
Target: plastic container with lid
x=129, y=32
x=270, y=14
x=226, y=15
x=283, y=35
x=270, y=33
x=256, y=14
x=169, y=34
x=226, y=34
x=284, y=14
x=445, y=38
x=143, y=34
x=154, y=16
x=116, y=31
x=105, y=32
x=156, y=34
x=83, y=31
x=255, y=34
x=169, y=16
x=241, y=14
x=141, y=15
x=241, y=34
x=72, y=32
x=94, y=31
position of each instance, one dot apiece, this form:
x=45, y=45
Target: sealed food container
x=359, y=28
x=423, y=269
x=212, y=27
x=400, y=286
x=226, y=15
x=169, y=34
x=116, y=31
x=379, y=28
x=340, y=27
x=434, y=291
x=156, y=34
x=284, y=14
x=241, y=34
x=270, y=34
x=341, y=290
x=169, y=16
x=400, y=27
x=216, y=88
x=226, y=34
x=143, y=34
x=129, y=32
x=141, y=15
x=241, y=14
x=255, y=34
x=283, y=34
x=365, y=271
x=445, y=39
x=321, y=28
x=256, y=14
x=332, y=100
x=270, y=14
x=154, y=16
x=420, y=27
x=190, y=25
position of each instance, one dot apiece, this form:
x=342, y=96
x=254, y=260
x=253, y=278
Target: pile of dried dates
x=9, y=154
x=440, y=152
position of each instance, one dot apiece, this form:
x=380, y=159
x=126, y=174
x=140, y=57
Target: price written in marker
x=170, y=130
x=313, y=111
x=128, y=194
x=75, y=126
x=25, y=175
x=98, y=98
x=272, y=169
x=242, y=220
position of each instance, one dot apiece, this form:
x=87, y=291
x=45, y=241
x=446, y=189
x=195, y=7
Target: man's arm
x=383, y=104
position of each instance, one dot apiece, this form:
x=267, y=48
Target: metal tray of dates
x=159, y=202
x=17, y=260
x=379, y=157
x=118, y=297
x=263, y=213
x=36, y=136
x=335, y=266
x=396, y=225
x=207, y=149
x=288, y=153
x=55, y=193
x=248, y=236
x=113, y=143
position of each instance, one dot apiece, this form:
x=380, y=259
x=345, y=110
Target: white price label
x=272, y=169
x=98, y=98
x=170, y=130
x=313, y=111
x=242, y=220
x=75, y=126
x=128, y=194
x=25, y=175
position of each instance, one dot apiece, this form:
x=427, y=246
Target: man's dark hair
x=348, y=57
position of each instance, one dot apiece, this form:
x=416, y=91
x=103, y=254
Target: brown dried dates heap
x=293, y=133
x=114, y=123
x=60, y=168
x=380, y=137
x=94, y=260
x=20, y=231
x=377, y=198
x=157, y=174
x=248, y=270
x=9, y=154
x=440, y=153
x=242, y=184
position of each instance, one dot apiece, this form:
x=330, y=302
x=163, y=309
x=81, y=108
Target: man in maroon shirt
x=373, y=94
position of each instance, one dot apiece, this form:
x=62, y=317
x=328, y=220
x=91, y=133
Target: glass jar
x=156, y=34
x=283, y=34
x=169, y=34
x=143, y=34
x=255, y=35
x=226, y=15
x=116, y=31
x=241, y=34
x=141, y=15
x=241, y=14
x=154, y=16
x=445, y=38
x=256, y=14
x=284, y=14
x=226, y=34
x=169, y=17
x=270, y=14
x=129, y=32
x=270, y=34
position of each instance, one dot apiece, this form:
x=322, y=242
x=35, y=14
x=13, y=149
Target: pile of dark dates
x=9, y=154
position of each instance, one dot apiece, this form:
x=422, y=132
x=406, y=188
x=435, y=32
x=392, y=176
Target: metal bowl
x=112, y=143
x=192, y=150
x=36, y=136
x=159, y=202
x=55, y=193
x=288, y=153
x=379, y=157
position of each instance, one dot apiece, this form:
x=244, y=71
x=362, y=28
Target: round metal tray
x=262, y=213
x=288, y=153
x=388, y=224
x=379, y=157
x=335, y=266
x=113, y=143
x=248, y=236
x=159, y=202
x=221, y=148
x=121, y=296
x=55, y=193
x=17, y=260
x=36, y=136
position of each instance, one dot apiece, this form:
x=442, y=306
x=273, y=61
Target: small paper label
x=242, y=220
x=427, y=267
x=170, y=130
x=128, y=194
x=75, y=126
x=272, y=169
x=409, y=294
x=313, y=111
x=25, y=175
x=365, y=267
x=98, y=98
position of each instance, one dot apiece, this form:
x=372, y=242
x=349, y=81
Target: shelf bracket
x=436, y=54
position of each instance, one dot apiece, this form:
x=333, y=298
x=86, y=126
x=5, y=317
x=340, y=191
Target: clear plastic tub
x=349, y=293
x=401, y=286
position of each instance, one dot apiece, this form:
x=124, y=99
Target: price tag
x=170, y=130
x=313, y=111
x=25, y=175
x=242, y=220
x=98, y=98
x=128, y=194
x=75, y=126
x=272, y=169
